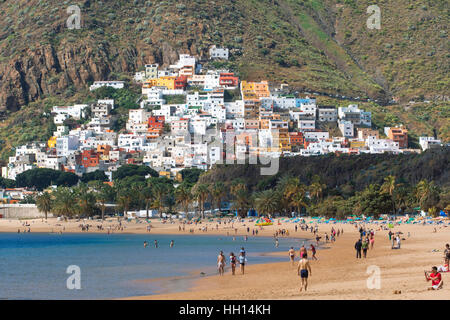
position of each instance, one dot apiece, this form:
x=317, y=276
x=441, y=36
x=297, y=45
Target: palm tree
x=218, y=191
x=183, y=196
x=65, y=202
x=138, y=188
x=290, y=187
x=316, y=190
x=426, y=192
x=148, y=197
x=389, y=186
x=201, y=193
x=299, y=201
x=87, y=203
x=104, y=194
x=267, y=202
x=242, y=200
x=124, y=199
x=44, y=203
x=160, y=190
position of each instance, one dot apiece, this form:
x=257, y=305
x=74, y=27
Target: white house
x=218, y=53
x=113, y=84
x=347, y=128
x=429, y=142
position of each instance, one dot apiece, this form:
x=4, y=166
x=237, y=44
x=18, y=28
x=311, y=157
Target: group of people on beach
x=155, y=242
x=303, y=267
x=366, y=240
x=395, y=239
x=241, y=259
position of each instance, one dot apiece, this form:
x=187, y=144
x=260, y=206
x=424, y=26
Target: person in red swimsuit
x=435, y=278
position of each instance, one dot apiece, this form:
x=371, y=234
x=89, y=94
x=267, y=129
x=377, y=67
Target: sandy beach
x=336, y=275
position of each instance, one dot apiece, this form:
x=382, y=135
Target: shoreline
x=336, y=275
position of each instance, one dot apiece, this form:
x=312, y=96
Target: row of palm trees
x=159, y=193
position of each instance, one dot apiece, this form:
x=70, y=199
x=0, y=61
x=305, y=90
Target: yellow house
x=357, y=144
x=168, y=82
x=254, y=90
x=52, y=142
x=164, y=174
x=149, y=83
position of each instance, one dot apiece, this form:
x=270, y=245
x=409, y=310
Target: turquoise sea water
x=33, y=265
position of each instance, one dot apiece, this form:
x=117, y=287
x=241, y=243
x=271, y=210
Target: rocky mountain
x=319, y=45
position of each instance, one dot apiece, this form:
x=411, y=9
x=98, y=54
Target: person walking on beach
x=242, y=261
x=233, y=263
x=304, y=270
x=292, y=255
x=447, y=253
x=365, y=246
x=372, y=241
x=221, y=263
x=358, y=246
x=313, y=251
x=303, y=251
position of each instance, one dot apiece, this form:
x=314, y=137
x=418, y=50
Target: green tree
x=104, y=194
x=242, y=199
x=201, y=194
x=44, y=203
x=389, y=186
x=267, y=202
x=427, y=194
x=86, y=202
x=64, y=203
x=218, y=192
x=184, y=196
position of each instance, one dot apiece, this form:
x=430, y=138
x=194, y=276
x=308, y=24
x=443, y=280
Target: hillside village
x=194, y=118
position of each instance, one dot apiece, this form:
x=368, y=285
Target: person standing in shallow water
x=233, y=263
x=156, y=243
x=171, y=244
x=242, y=261
x=292, y=255
x=221, y=263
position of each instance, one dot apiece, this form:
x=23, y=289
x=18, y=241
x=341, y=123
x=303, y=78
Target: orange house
x=296, y=138
x=399, y=135
x=89, y=158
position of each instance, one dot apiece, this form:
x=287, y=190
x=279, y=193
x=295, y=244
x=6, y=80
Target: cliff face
x=46, y=71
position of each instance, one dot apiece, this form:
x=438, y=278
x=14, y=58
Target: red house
x=90, y=158
x=228, y=80
x=181, y=82
x=156, y=122
x=296, y=138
